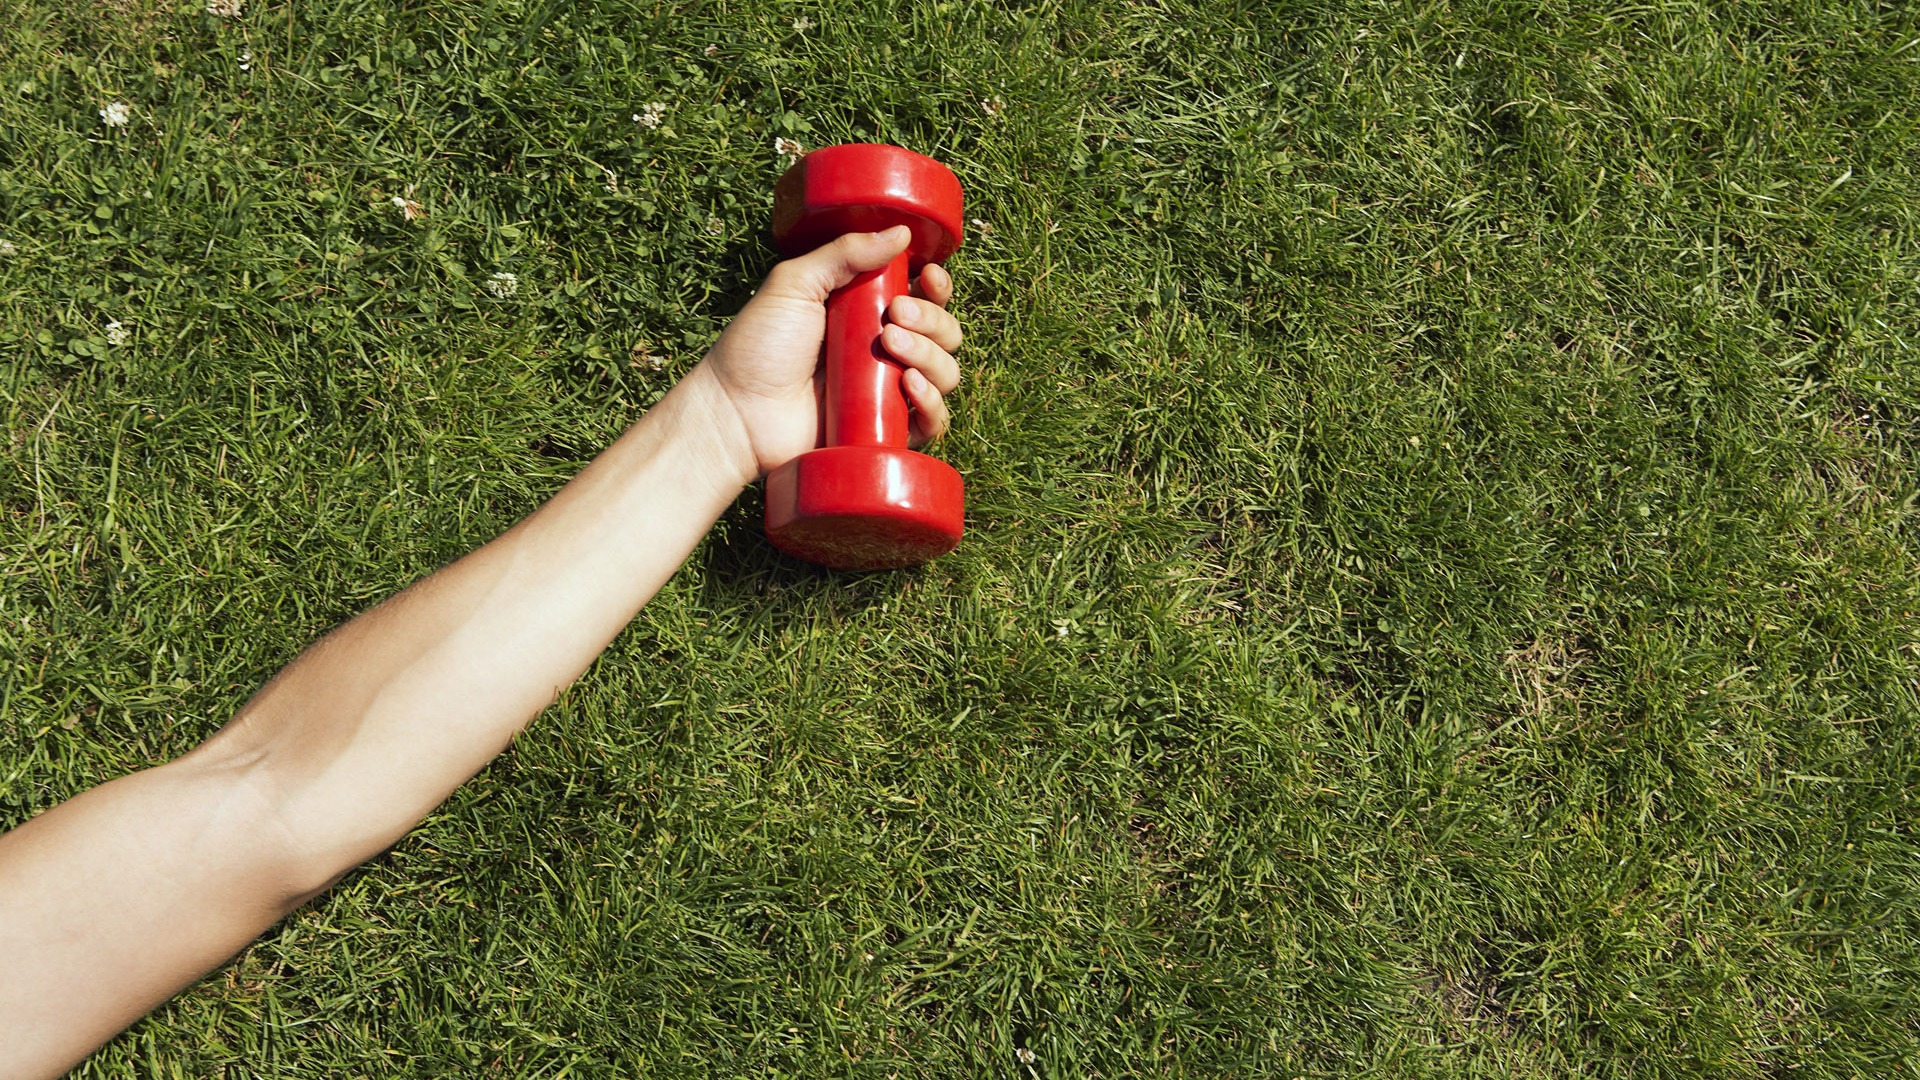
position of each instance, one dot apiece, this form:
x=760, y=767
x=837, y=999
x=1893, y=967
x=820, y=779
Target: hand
x=764, y=363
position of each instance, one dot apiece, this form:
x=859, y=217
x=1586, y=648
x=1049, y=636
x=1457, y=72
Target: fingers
x=812, y=276
x=926, y=318
x=935, y=284
x=922, y=334
x=930, y=416
x=923, y=355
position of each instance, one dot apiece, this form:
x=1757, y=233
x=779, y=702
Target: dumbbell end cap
x=865, y=507
x=867, y=187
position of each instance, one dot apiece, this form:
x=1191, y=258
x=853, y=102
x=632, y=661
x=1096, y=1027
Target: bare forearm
x=377, y=723
x=112, y=901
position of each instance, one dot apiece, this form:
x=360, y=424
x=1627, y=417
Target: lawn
x=1442, y=589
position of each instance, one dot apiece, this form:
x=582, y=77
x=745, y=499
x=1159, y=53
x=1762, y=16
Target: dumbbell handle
x=863, y=403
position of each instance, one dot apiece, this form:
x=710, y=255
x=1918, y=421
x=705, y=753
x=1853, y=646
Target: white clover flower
x=503, y=284
x=1026, y=1056
x=803, y=24
x=225, y=9
x=408, y=209
x=715, y=227
x=7, y=250
x=117, y=334
x=712, y=50
x=650, y=115
x=788, y=148
x=993, y=106
x=116, y=115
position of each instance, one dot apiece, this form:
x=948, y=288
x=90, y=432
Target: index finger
x=935, y=284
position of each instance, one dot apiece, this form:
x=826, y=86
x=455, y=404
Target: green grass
x=1443, y=579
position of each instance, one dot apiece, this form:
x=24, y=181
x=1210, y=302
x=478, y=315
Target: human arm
x=117, y=898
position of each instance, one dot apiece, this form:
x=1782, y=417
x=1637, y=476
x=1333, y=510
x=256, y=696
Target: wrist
x=713, y=426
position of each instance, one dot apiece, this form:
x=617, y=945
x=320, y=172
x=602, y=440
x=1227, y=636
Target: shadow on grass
x=740, y=567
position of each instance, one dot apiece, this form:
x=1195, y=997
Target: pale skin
x=115, y=900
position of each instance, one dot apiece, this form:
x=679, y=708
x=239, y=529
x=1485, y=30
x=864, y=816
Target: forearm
x=114, y=900
x=378, y=722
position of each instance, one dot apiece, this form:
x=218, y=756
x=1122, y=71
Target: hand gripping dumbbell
x=863, y=501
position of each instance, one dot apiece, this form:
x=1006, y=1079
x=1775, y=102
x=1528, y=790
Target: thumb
x=828, y=267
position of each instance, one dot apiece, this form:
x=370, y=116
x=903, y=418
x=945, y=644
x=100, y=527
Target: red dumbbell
x=863, y=501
